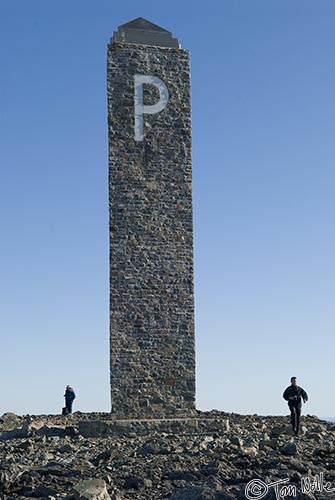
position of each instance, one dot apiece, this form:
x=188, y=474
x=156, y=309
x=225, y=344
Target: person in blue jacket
x=69, y=397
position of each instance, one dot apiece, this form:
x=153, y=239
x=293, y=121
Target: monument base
x=103, y=428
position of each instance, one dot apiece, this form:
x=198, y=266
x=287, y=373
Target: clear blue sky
x=263, y=85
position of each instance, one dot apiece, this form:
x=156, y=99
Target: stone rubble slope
x=210, y=457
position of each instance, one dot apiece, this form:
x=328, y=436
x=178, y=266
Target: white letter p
x=140, y=108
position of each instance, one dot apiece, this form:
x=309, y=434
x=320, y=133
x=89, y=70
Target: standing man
x=69, y=397
x=293, y=394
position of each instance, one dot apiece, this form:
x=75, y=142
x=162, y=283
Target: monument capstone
x=152, y=345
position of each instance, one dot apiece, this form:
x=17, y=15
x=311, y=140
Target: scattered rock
x=133, y=483
x=212, y=457
x=91, y=489
x=289, y=449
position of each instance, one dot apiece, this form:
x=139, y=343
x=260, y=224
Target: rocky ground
x=215, y=456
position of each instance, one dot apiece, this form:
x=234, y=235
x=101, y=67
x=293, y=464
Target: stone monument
x=152, y=352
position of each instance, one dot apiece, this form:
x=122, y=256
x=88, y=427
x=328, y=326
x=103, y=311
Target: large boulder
x=91, y=489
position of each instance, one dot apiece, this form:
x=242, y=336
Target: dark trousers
x=295, y=417
x=68, y=405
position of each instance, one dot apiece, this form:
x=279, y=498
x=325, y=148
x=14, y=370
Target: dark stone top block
x=140, y=31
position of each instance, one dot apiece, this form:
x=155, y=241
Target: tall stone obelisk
x=152, y=354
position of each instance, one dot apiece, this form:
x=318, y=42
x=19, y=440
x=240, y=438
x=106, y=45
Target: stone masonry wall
x=152, y=355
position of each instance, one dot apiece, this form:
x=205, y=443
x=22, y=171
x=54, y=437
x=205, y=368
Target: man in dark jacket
x=69, y=397
x=293, y=394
